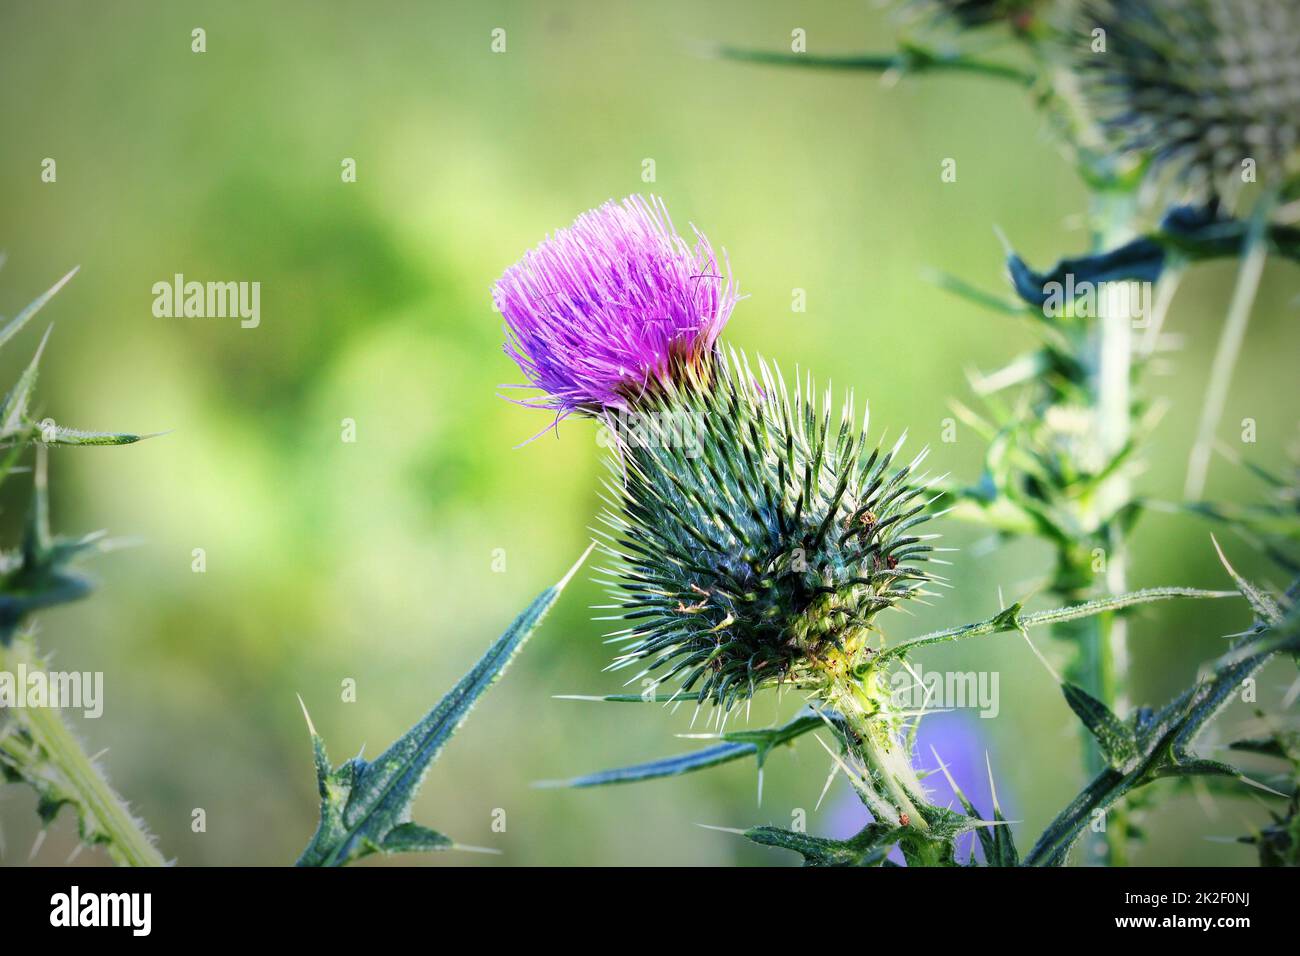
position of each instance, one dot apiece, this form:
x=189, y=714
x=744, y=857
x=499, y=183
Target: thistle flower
x=612, y=307
x=1203, y=86
x=760, y=550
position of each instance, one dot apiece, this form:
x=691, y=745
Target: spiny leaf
x=16, y=324
x=1117, y=742
x=1164, y=739
x=366, y=806
x=1189, y=766
x=1141, y=260
x=74, y=436
x=1263, y=605
x=737, y=744
x=1004, y=845
x=985, y=834
x=970, y=293
x=43, y=576
x=413, y=838
x=13, y=412
x=1010, y=619
x=655, y=769
x=1264, y=746
x=1196, y=233
x=626, y=698
x=869, y=847
x=910, y=58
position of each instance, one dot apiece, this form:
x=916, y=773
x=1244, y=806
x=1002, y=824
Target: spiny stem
x=128, y=844
x=1254, y=252
x=1105, y=664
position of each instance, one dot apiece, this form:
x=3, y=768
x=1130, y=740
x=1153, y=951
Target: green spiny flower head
x=755, y=542
x=1209, y=89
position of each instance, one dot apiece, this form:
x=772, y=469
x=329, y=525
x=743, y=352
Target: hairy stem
x=126, y=841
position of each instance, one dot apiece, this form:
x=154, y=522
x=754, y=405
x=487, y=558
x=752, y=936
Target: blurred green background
x=373, y=560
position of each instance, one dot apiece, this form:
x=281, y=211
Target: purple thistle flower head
x=602, y=311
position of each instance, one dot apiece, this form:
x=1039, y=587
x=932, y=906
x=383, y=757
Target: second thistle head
x=610, y=308
x=756, y=541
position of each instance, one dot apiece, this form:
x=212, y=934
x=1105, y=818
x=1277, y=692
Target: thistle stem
x=884, y=760
x=127, y=842
x=1101, y=662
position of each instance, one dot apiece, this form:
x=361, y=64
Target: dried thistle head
x=1209, y=89
x=755, y=543
x=612, y=307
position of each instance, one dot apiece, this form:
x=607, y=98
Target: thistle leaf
x=366, y=806
x=1004, y=846
x=868, y=847
x=413, y=838
x=665, y=767
x=1197, y=233
x=22, y=318
x=13, y=412
x=1118, y=742
x=1264, y=606
x=1164, y=739
x=43, y=575
x=737, y=744
x=1140, y=260
x=1011, y=618
x=74, y=436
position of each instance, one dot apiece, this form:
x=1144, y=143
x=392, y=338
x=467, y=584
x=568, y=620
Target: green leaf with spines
x=869, y=847
x=1164, y=738
x=1117, y=741
x=736, y=745
x=13, y=411
x=41, y=574
x=59, y=435
x=1012, y=619
x=16, y=324
x=36, y=746
x=366, y=805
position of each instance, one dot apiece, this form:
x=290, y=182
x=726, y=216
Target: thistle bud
x=761, y=551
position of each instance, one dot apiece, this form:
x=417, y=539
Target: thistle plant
x=365, y=806
x=37, y=747
x=1177, y=114
x=754, y=545
x=1206, y=89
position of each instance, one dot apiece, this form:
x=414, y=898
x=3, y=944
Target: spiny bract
x=1209, y=88
x=755, y=542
